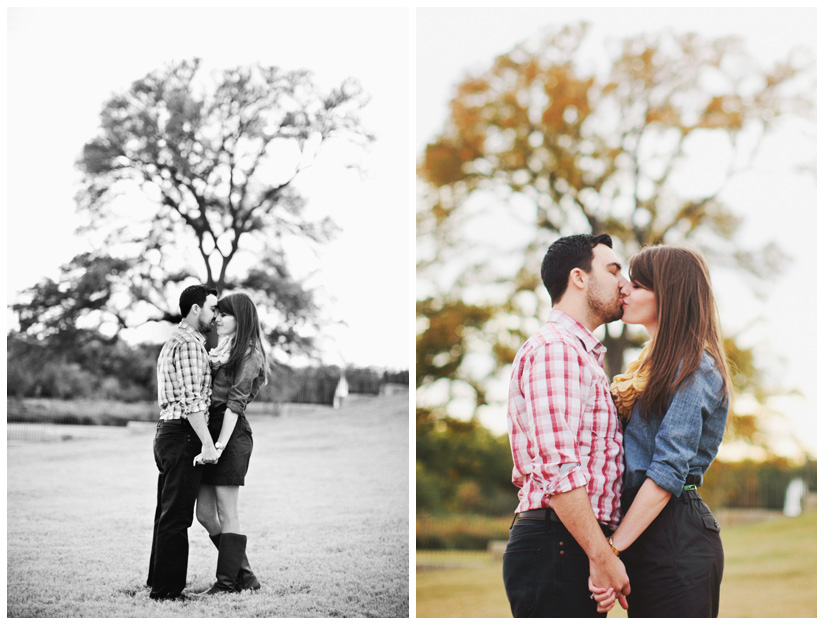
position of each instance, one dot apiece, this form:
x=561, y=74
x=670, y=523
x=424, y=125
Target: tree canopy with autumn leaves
x=538, y=146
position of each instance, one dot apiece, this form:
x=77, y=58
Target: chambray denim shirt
x=685, y=440
x=239, y=390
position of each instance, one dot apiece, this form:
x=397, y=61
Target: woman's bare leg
x=207, y=509
x=227, y=506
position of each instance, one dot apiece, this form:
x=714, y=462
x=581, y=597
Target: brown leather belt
x=541, y=514
x=550, y=515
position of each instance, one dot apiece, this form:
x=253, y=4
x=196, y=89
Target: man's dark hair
x=565, y=254
x=195, y=294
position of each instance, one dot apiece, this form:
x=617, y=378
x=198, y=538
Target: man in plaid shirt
x=184, y=392
x=566, y=441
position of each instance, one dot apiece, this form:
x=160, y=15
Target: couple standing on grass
x=608, y=473
x=203, y=441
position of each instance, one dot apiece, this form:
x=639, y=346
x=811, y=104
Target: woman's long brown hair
x=687, y=322
x=248, y=331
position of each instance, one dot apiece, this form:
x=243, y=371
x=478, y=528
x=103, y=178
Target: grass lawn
x=770, y=571
x=325, y=509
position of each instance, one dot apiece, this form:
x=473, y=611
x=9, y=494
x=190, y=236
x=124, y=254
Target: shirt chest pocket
x=599, y=416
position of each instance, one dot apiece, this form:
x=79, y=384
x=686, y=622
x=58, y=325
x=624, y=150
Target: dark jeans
x=176, y=445
x=545, y=572
x=675, y=566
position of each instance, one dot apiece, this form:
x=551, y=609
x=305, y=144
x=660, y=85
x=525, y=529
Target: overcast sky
x=454, y=43
x=64, y=63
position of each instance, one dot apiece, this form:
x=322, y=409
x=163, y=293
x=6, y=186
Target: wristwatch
x=219, y=445
x=612, y=547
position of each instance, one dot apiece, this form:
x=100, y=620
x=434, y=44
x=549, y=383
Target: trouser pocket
x=521, y=570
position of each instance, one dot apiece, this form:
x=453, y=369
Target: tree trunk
x=614, y=359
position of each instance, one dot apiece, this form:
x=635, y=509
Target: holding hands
x=606, y=597
x=209, y=455
x=609, y=582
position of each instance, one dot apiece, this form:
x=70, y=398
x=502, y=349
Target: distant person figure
x=239, y=370
x=184, y=389
x=793, y=498
x=341, y=392
x=673, y=401
x=566, y=441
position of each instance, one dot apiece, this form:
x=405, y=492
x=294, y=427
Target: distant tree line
x=94, y=369
x=122, y=372
x=461, y=467
x=317, y=385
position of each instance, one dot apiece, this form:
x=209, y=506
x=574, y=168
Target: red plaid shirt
x=184, y=377
x=564, y=430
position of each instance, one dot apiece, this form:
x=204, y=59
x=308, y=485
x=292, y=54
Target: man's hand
x=208, y=455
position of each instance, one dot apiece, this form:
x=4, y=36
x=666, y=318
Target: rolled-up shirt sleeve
x=555, y=381
x=239, y=393
x=192, y=367
x=678, y=438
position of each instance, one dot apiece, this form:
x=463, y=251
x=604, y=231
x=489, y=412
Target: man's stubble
x=604, y=307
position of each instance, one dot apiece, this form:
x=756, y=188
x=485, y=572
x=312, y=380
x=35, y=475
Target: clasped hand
x=205, y=458
x=606, y=598
x=608, y=582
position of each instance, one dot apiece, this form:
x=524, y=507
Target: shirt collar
x=577, y=329
x=190, y=330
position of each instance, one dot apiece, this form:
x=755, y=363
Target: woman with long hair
x=673, y=400
x=239, y=370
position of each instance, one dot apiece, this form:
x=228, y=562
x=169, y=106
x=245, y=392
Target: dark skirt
x=675, y=566
x=234, y=462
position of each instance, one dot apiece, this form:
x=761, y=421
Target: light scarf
x=219, y=355
x=627, y=387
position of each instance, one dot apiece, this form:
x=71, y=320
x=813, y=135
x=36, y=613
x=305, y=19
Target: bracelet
x=612, y=547
x=219, y=445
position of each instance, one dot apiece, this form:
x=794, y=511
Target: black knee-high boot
x=246, y=577
x=230, y=556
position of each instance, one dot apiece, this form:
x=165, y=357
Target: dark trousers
x=675, y=566
x=545, y=572
x=176, y=445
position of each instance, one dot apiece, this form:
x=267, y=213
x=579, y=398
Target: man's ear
x=576, y=278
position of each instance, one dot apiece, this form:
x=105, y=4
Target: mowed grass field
x=770, y=571
x=325, y=509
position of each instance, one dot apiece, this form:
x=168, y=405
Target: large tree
x=193, y=176
x=539, y=146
